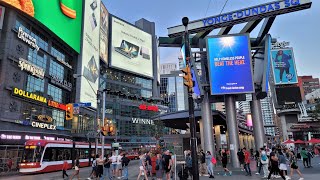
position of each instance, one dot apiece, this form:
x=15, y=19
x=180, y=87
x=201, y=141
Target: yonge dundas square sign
x=241, y=16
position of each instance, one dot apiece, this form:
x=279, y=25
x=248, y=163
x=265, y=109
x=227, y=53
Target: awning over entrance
x=179, y=119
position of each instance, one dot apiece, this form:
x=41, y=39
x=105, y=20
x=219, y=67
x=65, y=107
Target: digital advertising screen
x=288, y=95
x=104, y=35
x=230, y=69
x=283, y=66
x=55, y=15
x=131, y=48
x=90, y=53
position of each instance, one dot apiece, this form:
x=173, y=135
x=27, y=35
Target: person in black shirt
x=125, y=162
x=148, y=164
x=274, y=163
x=167, y=163
x=241, y=159
x=224, y=160
x=202, y=163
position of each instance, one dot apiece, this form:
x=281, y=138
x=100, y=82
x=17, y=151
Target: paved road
x=309, y=173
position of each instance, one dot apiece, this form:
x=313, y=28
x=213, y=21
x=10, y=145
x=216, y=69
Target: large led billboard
x=90, y=53
x=62, y=17
x=104, y=29
x=131, y=48
x=283, y=66
x=229, y=59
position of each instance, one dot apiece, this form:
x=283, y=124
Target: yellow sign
x=29, y=95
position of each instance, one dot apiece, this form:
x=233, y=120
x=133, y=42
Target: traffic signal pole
x=189, y=83
x=103, y=117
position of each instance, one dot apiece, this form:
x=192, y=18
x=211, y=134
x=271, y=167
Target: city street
x=308, y=173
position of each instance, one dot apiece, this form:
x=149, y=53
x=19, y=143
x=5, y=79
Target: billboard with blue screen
x=229, y=60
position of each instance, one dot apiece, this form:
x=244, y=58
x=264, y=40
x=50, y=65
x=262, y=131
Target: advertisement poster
x=90, y=53
x=131, y=48
x=283, y=66
x=229, y=59
x=104, y=29
x=55, y=14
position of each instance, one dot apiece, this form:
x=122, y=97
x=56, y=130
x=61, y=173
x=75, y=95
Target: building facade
x=173, y=91
x=307, y=85
x=36, y=82
x=166, y=68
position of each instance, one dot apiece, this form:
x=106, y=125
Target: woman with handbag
x=76, y=168
x=159, y=167
x=294, y=166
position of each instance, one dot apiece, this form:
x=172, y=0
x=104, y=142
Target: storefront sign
x=10, y=137
x=142, y=121
x=45, y=118
x=64, y=63
x=148, y=108
x=61, y=82
x=27, y=38
x=33, y=69
x=279, y=45
x=29, y=95
x=43, y=125
x=56, y=105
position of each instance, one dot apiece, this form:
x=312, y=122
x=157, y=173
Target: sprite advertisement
x=62, y=17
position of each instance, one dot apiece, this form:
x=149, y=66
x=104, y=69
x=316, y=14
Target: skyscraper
x=166, y=68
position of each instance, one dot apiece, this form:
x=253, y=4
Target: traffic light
x=69, y=111
x=188, y=77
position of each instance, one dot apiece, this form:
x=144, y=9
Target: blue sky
x=301, y=29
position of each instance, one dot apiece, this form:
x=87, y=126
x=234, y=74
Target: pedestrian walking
x=173, y=167
x=274, y=164
x=106, y=167
x=259, y=165
x=210, y=160
x=119, y=166
x=304, y=156
x=9, y=164
x=125, y=162
x=167, y=163
x=264, y=162
x=247, y=161
x=283, y=164
x=94, y=168
x=310, y=156
x=142, y=168
x=159, y=167
x=189, y=164
x=64, y=168
x=76, y=167
x=148, y=164
x=294, y=166
x=202, y=169
x=224, y=160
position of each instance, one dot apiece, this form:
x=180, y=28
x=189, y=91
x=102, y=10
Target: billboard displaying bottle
x=283, y=66
x=55, y=15
x=230, y=69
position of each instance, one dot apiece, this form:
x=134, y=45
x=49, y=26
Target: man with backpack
x=125, y=162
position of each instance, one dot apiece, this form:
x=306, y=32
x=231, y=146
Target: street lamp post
x=193, y=138
x=95, y=123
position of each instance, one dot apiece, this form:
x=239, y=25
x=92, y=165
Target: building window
x=55, y=93
x=42, y=41
x=56, y=69
x=58, y=117
x=35, y=85
x=38, y=58
x=58, y=53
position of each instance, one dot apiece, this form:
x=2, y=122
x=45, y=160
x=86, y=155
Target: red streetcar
x=41, y=156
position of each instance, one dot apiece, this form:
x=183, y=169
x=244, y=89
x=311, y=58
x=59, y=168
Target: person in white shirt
x=113, y=159
x=119, y=165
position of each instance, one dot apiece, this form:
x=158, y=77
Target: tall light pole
x=189, y=83
x=95, y=123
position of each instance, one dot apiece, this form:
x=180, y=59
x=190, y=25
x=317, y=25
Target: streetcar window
x=32, y=154
x=57, y=154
